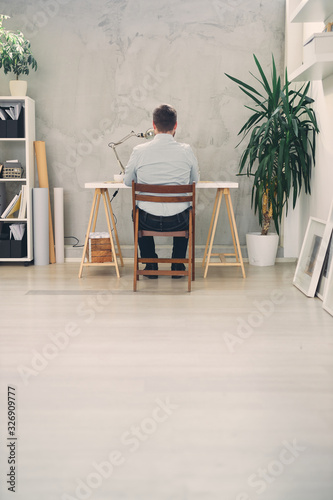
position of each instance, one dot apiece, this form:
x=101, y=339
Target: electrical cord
x=114, y=195
x=76, y=245
x=77, y=241
x=115, y=218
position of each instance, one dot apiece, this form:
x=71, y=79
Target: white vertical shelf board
x=293, y=40
x=30, y=137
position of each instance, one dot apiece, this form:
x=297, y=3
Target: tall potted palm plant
x=280, y=149
x=15, y=57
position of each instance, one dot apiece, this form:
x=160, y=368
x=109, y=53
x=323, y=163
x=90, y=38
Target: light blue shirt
x=162, y=161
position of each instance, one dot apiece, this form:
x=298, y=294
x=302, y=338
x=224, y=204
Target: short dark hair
x=165, y=118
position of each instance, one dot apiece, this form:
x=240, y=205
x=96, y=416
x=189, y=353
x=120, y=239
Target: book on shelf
x=23, y=206
x=13, y=207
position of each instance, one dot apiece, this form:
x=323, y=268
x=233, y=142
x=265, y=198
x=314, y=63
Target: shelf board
x=10, y=139
x=318, y=68
x=13, y=179
x=15, y=259
x=311, y=11
x=11, y=98
x=11, y=220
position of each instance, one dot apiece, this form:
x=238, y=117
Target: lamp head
x=149, y=134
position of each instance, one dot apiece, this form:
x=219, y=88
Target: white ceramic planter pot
x=261, y=249
x=18, y=87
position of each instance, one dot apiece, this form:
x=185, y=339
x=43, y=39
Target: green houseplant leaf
x=281, y=144
x=15, y=52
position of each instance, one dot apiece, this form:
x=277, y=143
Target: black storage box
x=4, y=249
x=15, y=128
x=3, y=129
x=12, y=128
x=18, y=248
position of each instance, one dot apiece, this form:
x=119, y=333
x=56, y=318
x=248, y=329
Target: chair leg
x=193, y=245
x=136, y=231
x=190, y=262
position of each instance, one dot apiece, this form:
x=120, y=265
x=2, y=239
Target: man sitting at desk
x=163, y=161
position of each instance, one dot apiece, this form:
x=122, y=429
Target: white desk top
x=199, y=185
x=216, y=184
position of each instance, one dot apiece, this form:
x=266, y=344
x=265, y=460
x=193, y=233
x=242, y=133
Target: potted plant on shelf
x=281, y=135
x=15, y=57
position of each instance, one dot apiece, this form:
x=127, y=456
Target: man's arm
x=195, y=172
x=130, y=169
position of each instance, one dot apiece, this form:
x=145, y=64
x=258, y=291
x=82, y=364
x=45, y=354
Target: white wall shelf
x=318, y=68
x=310, y=11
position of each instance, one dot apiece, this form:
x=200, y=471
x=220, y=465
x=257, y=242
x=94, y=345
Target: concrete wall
x=105, y=64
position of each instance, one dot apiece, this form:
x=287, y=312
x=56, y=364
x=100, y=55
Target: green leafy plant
x=15, y=51
x=281, y=145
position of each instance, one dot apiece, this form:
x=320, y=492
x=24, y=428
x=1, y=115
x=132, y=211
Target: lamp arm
x=114, y=144
x=149, y=134
x=118, y=159
x=131, y=134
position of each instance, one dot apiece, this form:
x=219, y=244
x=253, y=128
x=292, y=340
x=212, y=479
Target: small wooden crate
x=100, y=250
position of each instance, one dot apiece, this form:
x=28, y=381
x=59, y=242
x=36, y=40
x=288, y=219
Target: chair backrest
x=178, y=193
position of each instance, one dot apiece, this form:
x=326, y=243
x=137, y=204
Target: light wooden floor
x=221, y=394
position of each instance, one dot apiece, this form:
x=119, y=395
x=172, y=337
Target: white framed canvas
x=328, y=293
x=328, y=242
x=311, y=258
x=327, y=288
x=323, y=280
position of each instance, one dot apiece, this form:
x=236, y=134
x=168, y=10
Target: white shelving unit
x=320, y=65
x=23, y=150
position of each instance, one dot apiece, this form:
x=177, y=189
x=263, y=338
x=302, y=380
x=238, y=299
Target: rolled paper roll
x=40, y=205
x=44, y=183
x=59, y=225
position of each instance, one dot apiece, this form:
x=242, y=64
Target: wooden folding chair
x=174, y=194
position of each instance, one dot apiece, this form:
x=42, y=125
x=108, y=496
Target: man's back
x=162, y=161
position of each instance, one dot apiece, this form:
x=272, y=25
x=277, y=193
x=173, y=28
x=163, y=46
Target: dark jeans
x=178, y=222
